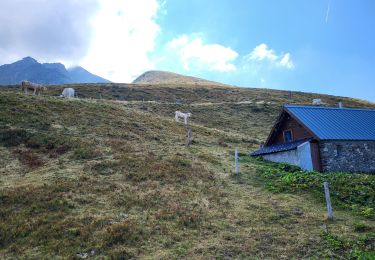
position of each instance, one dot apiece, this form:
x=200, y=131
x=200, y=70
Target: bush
x=29, y=158
x=332, y=241
x=47, y=140
x=13, y=137
x=128, y=232
x=361, y=227
x=105, y=167
x=82, y=153
x=348, y=190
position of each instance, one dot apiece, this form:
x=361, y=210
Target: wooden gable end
x=286, y=122
x=297, y=130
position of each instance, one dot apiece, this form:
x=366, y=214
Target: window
x=288, y=136
x=338, y=151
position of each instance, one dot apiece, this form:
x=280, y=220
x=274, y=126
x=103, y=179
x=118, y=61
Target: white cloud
x=263, y=53
x=286, y=61
x=124, y=34
x=192, y=51
x=47, y=30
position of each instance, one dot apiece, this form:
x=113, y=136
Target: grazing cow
x=185, y=116
x=37, y=88
x=68, y=93
x=317, y=101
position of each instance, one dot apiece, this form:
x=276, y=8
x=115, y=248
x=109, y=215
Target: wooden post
x=328, y=200
x=188, y=136
x=236, y=161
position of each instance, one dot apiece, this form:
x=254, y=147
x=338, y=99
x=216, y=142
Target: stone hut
x=325, y=139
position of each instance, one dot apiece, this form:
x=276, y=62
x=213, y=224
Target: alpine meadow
x=109, y=175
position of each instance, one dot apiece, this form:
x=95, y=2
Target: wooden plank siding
x=315, y=155
x=289, y=123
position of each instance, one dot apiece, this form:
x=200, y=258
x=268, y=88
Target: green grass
x=108, y=179
x=348, y=190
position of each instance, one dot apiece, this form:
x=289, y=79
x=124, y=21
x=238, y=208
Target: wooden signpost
x=328, y=200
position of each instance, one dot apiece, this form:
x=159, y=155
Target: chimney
x=340, y=104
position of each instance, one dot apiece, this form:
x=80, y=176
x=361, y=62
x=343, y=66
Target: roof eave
x=274, y=152
x=346, y=140
x=278, y=120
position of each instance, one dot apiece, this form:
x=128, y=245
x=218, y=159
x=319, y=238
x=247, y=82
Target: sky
x=322, y=46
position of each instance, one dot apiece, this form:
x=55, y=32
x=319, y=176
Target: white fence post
x=236, y=161
x=328, y=200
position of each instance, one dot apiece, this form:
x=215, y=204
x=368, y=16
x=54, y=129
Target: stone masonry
x=347, y=156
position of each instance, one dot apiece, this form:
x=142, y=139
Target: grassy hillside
x=164, y=77
x=112, y=177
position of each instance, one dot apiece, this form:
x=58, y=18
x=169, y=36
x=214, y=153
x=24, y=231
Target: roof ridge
x=332, y=123
x=333, y=108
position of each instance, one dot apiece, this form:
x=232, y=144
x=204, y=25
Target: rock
x=123, y=215
x=324, y=227
x=297, y=212
x=82, y=255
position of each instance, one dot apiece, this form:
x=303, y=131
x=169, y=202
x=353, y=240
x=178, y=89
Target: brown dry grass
x=118, y=182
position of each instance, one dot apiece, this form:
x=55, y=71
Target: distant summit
x=45, y=73
x=80, y=75
x=165, y=77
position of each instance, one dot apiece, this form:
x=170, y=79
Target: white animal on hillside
x=317, y=101
x=68, y=93
x=185, y=116
x=27, y=85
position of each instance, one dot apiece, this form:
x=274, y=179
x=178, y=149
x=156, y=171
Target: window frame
x=338, y=150
x=291, y=135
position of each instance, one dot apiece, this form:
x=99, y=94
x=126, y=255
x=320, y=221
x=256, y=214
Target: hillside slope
x=110, y=175
x=165, y=77
x=44, y=73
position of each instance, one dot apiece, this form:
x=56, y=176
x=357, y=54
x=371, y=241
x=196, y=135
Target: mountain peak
x=166, y=77
x=44, y=73
x=29, y=59
x=80, y=74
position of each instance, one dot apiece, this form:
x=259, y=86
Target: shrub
x=47, y=140
x=128, y=232
x=332, y=241
x=29, y=158
x=105, y=167
x=62, y=149
x=83, y=153
x=222, y=142
x=361, y=227
x=348, y=190
x=191, y=219
x=13, y=137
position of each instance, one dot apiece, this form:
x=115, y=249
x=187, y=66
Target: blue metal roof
x=329, y=123
x=279, y=147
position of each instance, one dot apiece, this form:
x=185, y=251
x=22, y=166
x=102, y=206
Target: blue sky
x=325, y=46
x=331, y=53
